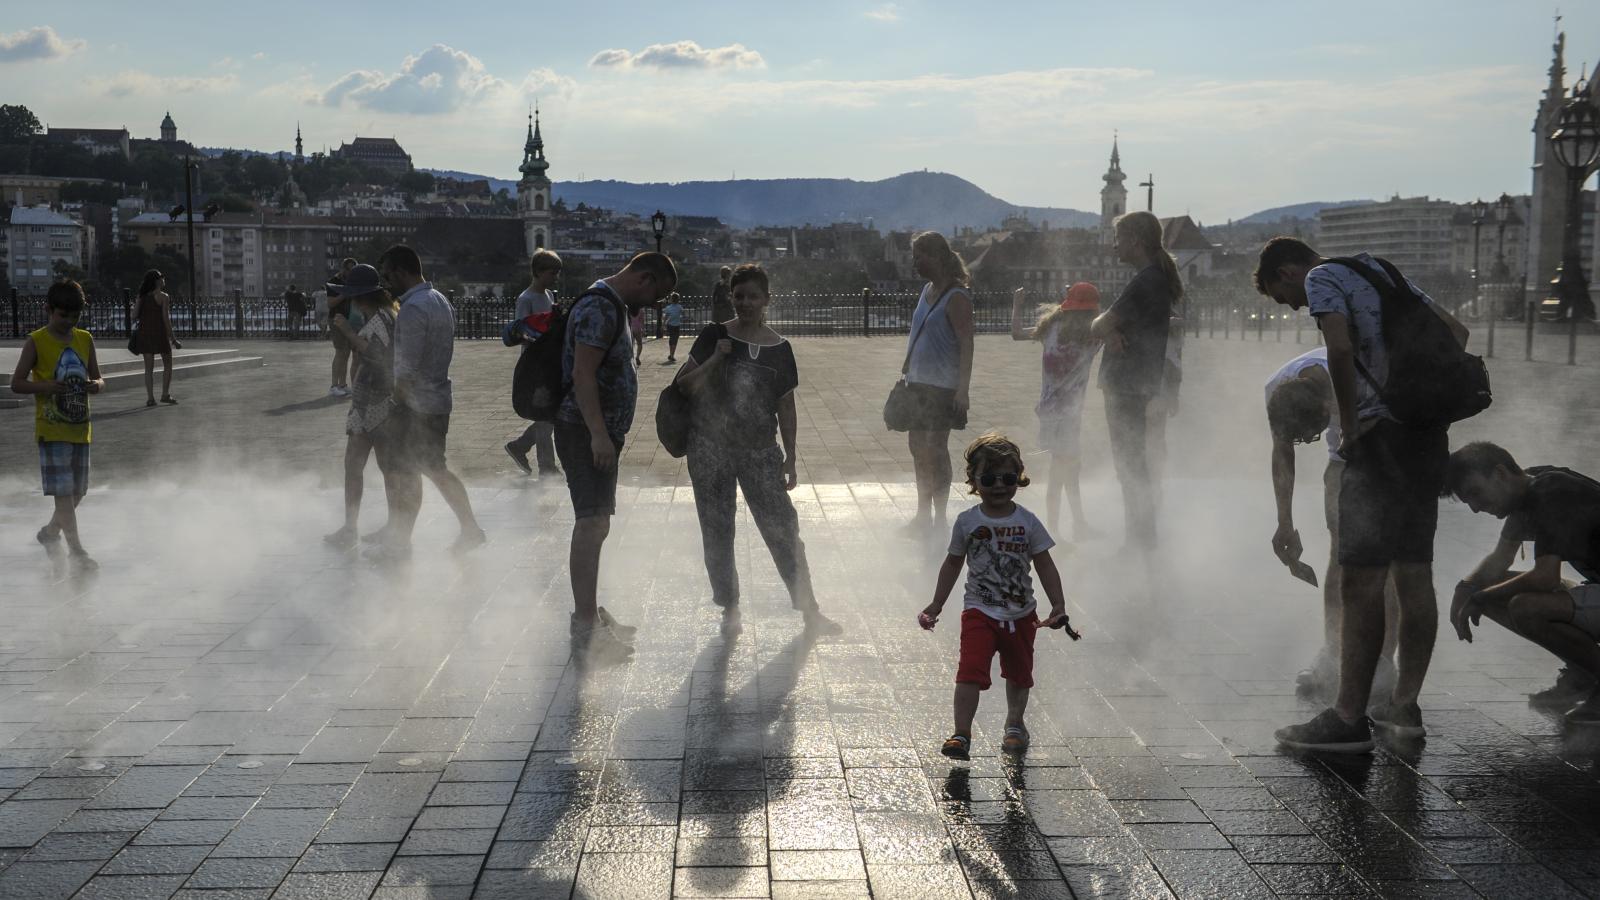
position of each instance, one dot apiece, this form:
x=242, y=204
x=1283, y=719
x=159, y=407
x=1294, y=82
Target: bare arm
x=1544, y=577
x=948, y=573
x=788, y=426
x=96, y=383
x=586, y=391
x=342, y=325
x=692, y=376
x=166, y=315
x=1050, y=580
x=1104, y=325
x=1469, y=600
x=1342, y=370
x=20, y=383
x=959, y=313
x=1286, y=540
x=1018, y=332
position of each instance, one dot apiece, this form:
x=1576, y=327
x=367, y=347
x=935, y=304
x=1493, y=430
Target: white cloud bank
x=440, y=79
x=684, y=55
x=38, y=43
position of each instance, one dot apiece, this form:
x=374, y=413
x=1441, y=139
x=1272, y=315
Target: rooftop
x=38, y=215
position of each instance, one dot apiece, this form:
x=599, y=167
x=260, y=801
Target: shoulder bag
x=900, y=410
x=675, y=413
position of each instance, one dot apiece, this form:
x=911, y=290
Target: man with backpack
x=600, y=388
x=1399, y=378
x=539, y=298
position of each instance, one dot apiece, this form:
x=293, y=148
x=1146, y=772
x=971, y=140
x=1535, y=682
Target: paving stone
x=159, y=860
x=327, y=886
x=131, y=887
x=239, y=873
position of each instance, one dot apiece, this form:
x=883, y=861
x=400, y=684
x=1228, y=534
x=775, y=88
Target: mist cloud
x=37, y=43
x=136, y=83
x=686, y=55
x=440, y=79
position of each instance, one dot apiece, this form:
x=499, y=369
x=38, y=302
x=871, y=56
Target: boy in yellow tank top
x=58, y=367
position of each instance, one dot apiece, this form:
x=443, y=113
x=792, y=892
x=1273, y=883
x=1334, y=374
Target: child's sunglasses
x=989, y=479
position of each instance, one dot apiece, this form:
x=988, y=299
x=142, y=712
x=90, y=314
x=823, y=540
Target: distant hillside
x=909, y=201
x=495, y=184
x=1296, y=211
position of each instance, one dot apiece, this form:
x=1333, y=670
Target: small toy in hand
x=1067, y=624
x=926, y=621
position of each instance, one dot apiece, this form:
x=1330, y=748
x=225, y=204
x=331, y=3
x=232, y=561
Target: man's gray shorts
x=1586, y=608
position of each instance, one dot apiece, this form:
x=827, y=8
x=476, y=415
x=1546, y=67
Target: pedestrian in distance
x=999, y=542
x=424, y=343
x=722, y=296
x=1559, y=511
x=59, y=368
x=673, y=316
x=636, y=329
x=938, y=373
x=539, y=297
x=1067, y=360
x=294, y=305
x=741, y=378
x=371, y=397
x=1134, y=365
x=153, y=335
x=1388, y=493
x=594, y=419
x=339, y=306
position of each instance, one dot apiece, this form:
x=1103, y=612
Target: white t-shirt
x=999, y=555
x=531, y=302
x=1317, y=358
x=1333, y=288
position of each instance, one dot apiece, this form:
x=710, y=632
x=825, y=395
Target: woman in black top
x=741, y=377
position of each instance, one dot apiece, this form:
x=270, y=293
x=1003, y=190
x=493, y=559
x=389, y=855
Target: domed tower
x=533, y=191
x=1113, y=197
x=169, y=129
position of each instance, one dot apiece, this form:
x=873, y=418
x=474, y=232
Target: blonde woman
x=1133, y=368
x=939, y=372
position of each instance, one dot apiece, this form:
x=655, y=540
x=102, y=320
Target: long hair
x=380, y=300
x=151, y=279
x=1145, y=229
x=951, y=268
x=1074, y=324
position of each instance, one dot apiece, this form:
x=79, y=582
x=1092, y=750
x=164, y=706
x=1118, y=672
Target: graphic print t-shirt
x=1067, y=365
x=596, y=321
x=999, y=556
x=64, y=416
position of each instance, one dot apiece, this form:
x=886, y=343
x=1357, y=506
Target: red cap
x=1082, y=295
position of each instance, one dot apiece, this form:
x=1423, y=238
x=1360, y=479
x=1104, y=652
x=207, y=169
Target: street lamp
x=1502, y=214
x=1576, y=142
x=658, y=224
x=1480, y=211
x=189, y=165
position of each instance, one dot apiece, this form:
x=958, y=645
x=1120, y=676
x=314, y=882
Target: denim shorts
x=594, y=493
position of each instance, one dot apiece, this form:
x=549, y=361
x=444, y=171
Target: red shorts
x=983, y=637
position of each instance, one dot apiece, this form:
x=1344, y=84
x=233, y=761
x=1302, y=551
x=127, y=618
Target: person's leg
x=1418, y=628
x=341, y=363
x=544, y=447
x=150, y=377
x=920, y=464
x=588, y=536
x=525, y=441
x=714, y=477
x=966, y=706
x=1055, y=486
x=1361, y=637
x=166, y=375
x=939, y=475
x=1125, y=420
x=761, y=479
x=455, y=495
x=1391, y=617
x=1547, y=620
x=357, y=447
x=1156, y=447
x=65, y=521
x=1016, y=705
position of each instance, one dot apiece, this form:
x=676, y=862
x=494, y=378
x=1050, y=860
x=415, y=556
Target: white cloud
x=440, y=79
x=136, y=83
x=888, y=13
x=36, y=43
x=546, y=83
x=680, y=55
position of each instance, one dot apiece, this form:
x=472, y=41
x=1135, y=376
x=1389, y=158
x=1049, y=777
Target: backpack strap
x=1384, y=289
x=905, y=366
x=604, y=290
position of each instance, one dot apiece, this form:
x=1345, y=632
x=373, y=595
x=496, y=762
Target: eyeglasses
x=989, y=479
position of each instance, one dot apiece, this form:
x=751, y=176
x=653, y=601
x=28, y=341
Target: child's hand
x=928, y=618
x=1058, y=619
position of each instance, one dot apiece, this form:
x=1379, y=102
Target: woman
x=1068, y=355
x=370, y=396
x=1133, y=369
x=740, y=377
x=938, y=372
x=153, y=335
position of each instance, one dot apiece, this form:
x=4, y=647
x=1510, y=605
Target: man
x=1300, y=410
x=538, y=298
x=424, y=342
x=1559, y=510
x=294, y=304
x=595, y=415
x=1388, y=496
x=722, y=296
x=343, y=365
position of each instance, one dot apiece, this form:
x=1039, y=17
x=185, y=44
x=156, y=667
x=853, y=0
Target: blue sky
x=1235, y=106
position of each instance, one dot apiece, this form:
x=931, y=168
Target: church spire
x=299, y=148
x=1114, y=176
x=533, y=161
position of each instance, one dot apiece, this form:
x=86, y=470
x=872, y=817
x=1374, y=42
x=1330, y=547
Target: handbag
x=901, y=410
x=675, y=412
x=133, y=339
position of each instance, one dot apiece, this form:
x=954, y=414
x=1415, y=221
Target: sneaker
x=732, y=623
x=625, y=632
x=819, y=625
x=169, y=400
x=1572, y=686
x=343, y=539
x=1401, y=721
x=50, y=542
x=1016, y=739
x=83, y=562
x=597, y=646
x=333, y=390
x=520, y=457
x=957, y=746
x=550, y=472
x=469, y=540
x=1587, y=712
x=1329, y=733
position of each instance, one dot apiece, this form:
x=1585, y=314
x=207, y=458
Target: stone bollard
x=866, y=312
x=1527, y=350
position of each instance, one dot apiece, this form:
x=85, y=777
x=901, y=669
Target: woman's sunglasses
x=989, y=479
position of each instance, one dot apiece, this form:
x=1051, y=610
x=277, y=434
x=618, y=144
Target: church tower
x=169, y=129
x=1547, y=215
x=533, y=191
x=1113, y=197
x=299, y=148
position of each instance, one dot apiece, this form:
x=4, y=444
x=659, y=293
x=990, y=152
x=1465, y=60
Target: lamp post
x=189, y=165
x=658, y=224
x=1576, y=142
x=1480, y=211
x=1502, y=214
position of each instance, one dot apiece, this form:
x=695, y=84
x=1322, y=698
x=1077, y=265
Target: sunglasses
x=989, y=479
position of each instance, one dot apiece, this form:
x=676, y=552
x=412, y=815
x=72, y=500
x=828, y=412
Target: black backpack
x=1433, y=381
x=538, y=385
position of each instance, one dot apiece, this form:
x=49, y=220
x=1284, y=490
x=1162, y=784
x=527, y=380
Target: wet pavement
x=231, y=710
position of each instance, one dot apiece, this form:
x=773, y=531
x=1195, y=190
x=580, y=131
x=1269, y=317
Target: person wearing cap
x=373, y=348
x=1069, y=351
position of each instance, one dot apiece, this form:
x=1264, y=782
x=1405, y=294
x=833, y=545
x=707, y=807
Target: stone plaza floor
x=231, y=710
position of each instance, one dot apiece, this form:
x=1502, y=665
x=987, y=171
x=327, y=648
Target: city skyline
x=1280, y=110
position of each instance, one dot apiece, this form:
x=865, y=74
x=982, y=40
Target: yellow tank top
x=62, y=417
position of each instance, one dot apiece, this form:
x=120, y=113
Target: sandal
x=957, y=746
x=169, y=400
x=1016, y=739
x=150, y=402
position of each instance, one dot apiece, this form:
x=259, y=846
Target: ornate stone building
x=1113, y=197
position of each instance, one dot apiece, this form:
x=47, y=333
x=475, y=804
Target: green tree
x=415, y=182
x=18, y=124
x=86, y=192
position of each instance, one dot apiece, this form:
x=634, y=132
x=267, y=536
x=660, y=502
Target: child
x=58, y=367
x=673, y=315
x=1069, y=352
x=999, y=539
x=636, y=325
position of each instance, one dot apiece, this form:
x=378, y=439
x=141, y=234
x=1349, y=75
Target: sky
x=1232, y=106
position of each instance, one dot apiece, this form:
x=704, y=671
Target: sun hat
x=1081, y=296
x=359, y=281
